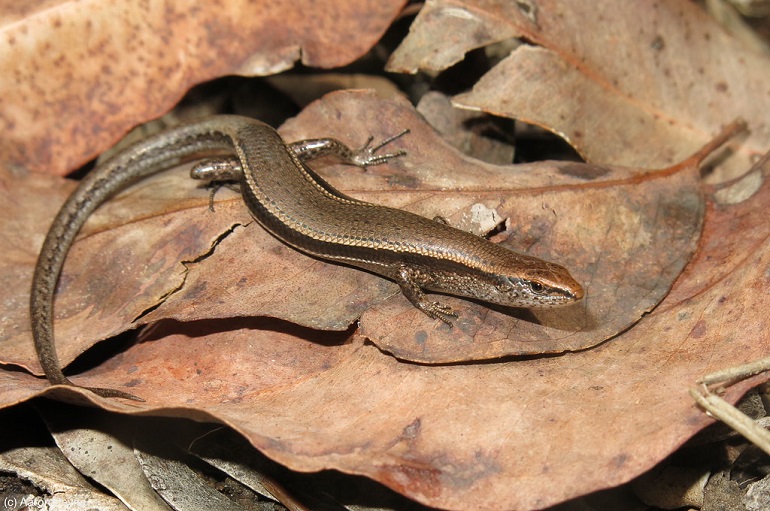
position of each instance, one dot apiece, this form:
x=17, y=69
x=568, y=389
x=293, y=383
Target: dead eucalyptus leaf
x=625, y=234
x=146, y=55
x=625, y=84
x=180, y=486
x=461, y=129
x=104, y=452
x=49, y=470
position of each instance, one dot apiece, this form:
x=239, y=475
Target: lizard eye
x=536, y=287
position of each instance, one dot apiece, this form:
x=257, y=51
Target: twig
x=727, y=413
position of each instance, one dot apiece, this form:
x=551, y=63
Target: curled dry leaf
x=130, y=279
x=625, y=235
x=71, y=67
x=103, y=450
x=462, y=129
x=48, y=469
x=645, y=85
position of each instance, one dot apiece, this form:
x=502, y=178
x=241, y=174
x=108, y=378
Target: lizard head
x=538, y=283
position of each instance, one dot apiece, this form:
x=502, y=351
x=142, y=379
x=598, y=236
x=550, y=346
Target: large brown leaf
x=625, y=234
x=78, y=74
x=626, y=83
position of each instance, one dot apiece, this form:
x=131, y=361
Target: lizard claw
x=438, y=310
x=366, y=156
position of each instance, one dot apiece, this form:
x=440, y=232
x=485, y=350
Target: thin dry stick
x=736, y=373
x=727, y=413
x=730, y=415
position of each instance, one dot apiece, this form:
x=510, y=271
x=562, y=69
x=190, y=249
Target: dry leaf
x=634, y=84
x=71, y=68
x=625, y=234
x=104, y=452
x=48, y=469
x=460, y=128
